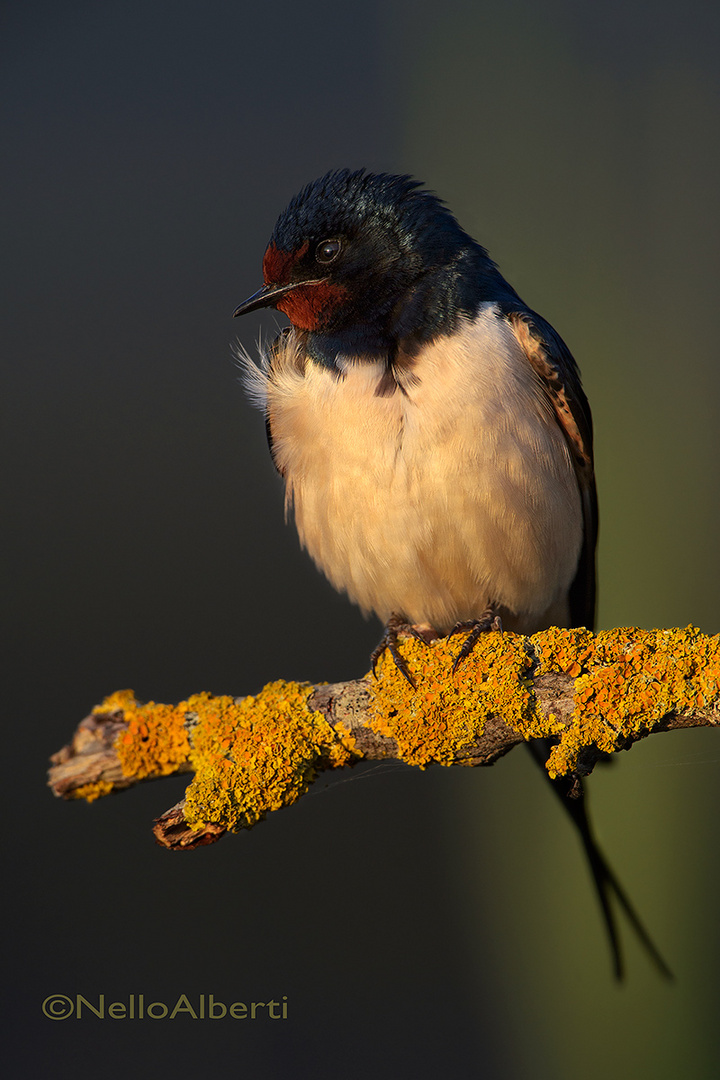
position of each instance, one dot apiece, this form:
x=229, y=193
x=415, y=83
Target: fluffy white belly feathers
x=451, y=492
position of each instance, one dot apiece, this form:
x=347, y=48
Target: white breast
x=439, y=500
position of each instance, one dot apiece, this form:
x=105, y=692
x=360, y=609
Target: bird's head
x=355, y=249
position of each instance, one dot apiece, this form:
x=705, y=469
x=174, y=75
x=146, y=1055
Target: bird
x=432, y=433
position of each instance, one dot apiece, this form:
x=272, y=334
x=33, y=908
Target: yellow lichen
x=123, y=700
x=156, y=740
x=256, y=754
x=249, y=755
x=447, y=711
x=339, y=751
x=627, y=680
x=259, y=753
x=91, y=792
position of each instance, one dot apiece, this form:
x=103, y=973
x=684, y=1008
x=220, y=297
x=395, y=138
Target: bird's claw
x=489, y=620
x=396, y=625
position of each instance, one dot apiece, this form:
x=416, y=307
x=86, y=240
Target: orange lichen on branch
x=119, y=701
x=256, y=754
x=626, y=682
x=93, y=791
x=436, y=721
x=155, y=742
x=249, y=755
x=592, y=694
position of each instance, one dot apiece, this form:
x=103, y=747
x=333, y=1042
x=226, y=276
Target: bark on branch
x=593, y=694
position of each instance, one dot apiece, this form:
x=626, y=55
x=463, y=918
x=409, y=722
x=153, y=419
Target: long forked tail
x=570, y=792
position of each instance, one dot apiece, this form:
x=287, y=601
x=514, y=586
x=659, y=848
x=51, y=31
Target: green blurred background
x=420, y=924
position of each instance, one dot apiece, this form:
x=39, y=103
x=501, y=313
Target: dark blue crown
x=343, y=200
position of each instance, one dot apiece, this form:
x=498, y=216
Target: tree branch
x=593, y=694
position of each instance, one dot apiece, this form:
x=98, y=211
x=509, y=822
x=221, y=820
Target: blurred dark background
x=419, y=923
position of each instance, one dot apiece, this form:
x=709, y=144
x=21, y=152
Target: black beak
x=267, y=296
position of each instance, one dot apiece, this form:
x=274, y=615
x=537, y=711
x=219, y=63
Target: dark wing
x=553, y=363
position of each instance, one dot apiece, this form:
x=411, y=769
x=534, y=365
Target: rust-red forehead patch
x=308, y=306
x=277, y=264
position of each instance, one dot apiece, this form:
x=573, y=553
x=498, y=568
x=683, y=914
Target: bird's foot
x=397, y=627
x=489, y=620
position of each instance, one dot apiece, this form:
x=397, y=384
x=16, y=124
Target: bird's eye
x=328, y=251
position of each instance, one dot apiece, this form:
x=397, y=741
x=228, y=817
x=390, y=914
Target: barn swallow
x=432, y=432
